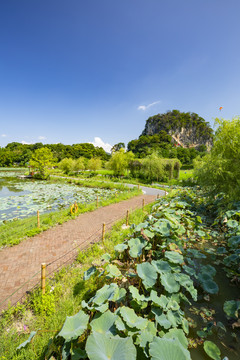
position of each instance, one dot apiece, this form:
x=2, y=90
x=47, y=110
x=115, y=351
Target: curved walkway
x=57, y=246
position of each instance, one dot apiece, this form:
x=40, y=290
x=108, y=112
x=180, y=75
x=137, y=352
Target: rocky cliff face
x=186, y=129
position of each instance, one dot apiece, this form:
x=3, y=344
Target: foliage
x=94, y=164
x=42, y=160
x=220, y=169
x=119, y=161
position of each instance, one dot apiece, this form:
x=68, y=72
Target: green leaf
x=231, y=308
x=148, y=233
x=104, y=294
x=234, y=242
x=169, y=283
x=132, y=320
x=232, y=223
x=162, y=227
x=210, y=286
x=135, y=294
x=161, y=300
x=74, y=326
x=168, y=349
x=174, y=257
x=89, y=273
x=161, y=266
x=147, y=273
x=120, y=247
x=177, y=334
x=113, y=271
x=212, y=350
x=136, y=245
x=32, y=334
x=104, y=347
x=161, y=318
x=104, y=323
x=106, y=257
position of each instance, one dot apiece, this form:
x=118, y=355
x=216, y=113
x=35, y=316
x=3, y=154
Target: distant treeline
x=19, y=154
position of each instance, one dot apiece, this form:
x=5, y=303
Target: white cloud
x=98, y=142
x=42, y=137
x=3, y=135
x=25, y=143
x=145, y=107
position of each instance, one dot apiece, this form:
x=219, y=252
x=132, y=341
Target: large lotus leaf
x=212, y=350
x=210, y=286
x=147, y=273
x=209, y=269
x=175, y=317
x=163, y=227
x=121, y=326
x=22, y=345
x=169, y=283
x=106, y=257
x=87, y=274
x=161, y=266
x=119, y=294
x=161, y=300
x=232, y=223
x=174, y=257
x=135, y=294
x=74, y=326
x=196, y=254
x=141, y=226
x=113, y=271
x=120, y=247
x=232, y=259
x=231, y=308
x=234, y=242
x=161, y=318
x=200, y=233
x=204, y=277
x=177, y=334
x=106, y=293
x=146, y=335
x=102, y=308
x=132, y=320
x=189, y=270
x=168, y=349
x=173, y=304
x=136, y=245
x=104, y=323
x=104, y=347
x=77, y=354
x=148, y=233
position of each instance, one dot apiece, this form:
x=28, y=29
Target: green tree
x=42, y=160
x=119, y=161
x=117, y=147
x=220, y=170
x=94, y=164
x=67, y=165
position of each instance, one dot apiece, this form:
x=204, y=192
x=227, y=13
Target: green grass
x=49, y=313
x=13, y=232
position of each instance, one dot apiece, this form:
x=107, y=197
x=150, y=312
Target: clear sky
x=73, y=70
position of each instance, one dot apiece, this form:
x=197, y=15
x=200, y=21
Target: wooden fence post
x=138, y=187
x=103, y=232
x=143, y=203
x=97, y=201
x=43, y=277
x=38, y=219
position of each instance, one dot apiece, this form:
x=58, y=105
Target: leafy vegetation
x=160, y=279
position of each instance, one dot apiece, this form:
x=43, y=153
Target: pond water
x=20, y=198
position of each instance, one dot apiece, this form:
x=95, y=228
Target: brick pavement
x=58, y=245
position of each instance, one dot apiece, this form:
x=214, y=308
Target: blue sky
x=74, y=70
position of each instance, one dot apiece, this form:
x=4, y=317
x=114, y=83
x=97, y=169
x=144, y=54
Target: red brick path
x=20, y=262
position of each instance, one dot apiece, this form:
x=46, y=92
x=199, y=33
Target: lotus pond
x=21, y=198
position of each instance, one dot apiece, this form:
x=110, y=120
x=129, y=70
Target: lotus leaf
x=196, y=254
x=212, y=350
x=136, y=245
x=210, y=286
x=141, y=226
x=77, y=354
x=161, y=300
x=200, y=233
x=232, y=259
x=234, y=242
x=147, y=273
x=87, y=274
x=175, y=317
x=168, y=349
x=232, y=223
x=161, y=318
x=169, y=283
x=161, y=266
x=231, y=308
x=162, y=227
x=74, y=326
x=106, y=257
x=104, y=347
x=22, y=345
x=121, y=247
x=113, y=271
x=177, y=334
x=104, y=323
x=132, y=320
x=146, y=335
x=135, y=294
x=104, y=294
x=174, y=257
x=148, y=233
